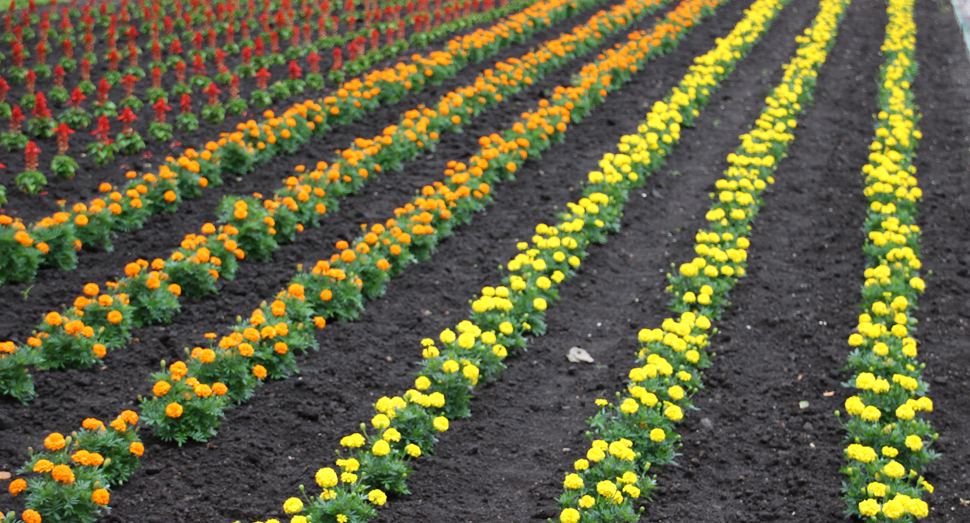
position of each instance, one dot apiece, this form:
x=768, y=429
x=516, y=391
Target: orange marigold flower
x=326, y=295
x=202, y=390
x=63, y=473
x=129, y=416
x=43, y=247
x=153, y=283
x=132, y=270
x=99, y=350
x=259, y=371
x=383, y=264
x=280, y=347
x=30, y=516
x=92, y=424
x=17, y=486
x=219, y=389
x=175, y=289
x=136, y=448
x=278, y=308
x=161, y=388
x=173, y=410
x=81, y=457
x=246, y=349
x=119, y=425
x=95, y=459
x=100, y=496
x=53, y=319
x=320, y=322
x=251, y=334
x=55, y=441
x=43, y=466
x=105, y=300
x=207, y=355
x=178, y=368
x=114, y=317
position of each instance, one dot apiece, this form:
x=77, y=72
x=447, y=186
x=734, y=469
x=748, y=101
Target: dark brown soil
x=750, y=453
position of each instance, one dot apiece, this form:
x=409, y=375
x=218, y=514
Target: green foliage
x=31, y=182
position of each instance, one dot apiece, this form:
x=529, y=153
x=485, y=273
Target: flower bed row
x=194, y=267
x=273, y=331
x=53, y=241
x=888, y=443
x=641, y=423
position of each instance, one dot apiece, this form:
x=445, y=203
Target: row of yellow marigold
x=888, y=443
x=53, y=241
x=671, y=357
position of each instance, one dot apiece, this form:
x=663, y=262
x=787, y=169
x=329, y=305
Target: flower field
x=321, y=263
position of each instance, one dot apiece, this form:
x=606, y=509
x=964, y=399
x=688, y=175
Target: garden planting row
x=415, y=251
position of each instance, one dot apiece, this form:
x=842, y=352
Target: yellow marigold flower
x=413, y=450
x=633, y=491
x=876, y=489
x=676, y=392
x=894, y=470
x=595, y=454
x=450, y=366
x=569, y=515
x=440, y=423
x=869, y=508
x=391, y=434
x=573, y=481
x=606, y=488
x=629, y=477
x=629, y=406
x=471, y=372
x=381, y=448
x=860, y=453
x=658, y=435
x=854, y=405
x=914, y=443
x=893, y=508
x=447, y=336
x=377, y=497
x=326, y=478
x=352, y=441
x=674, y=413
x=586, y=501
x=871, y=413
x=581, y=464
x=292, y=506
x=917, y=507
x=380, y=421
x=890, y=452
x=348, y=477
